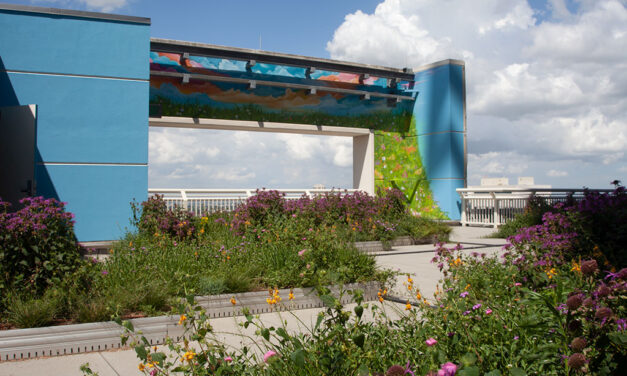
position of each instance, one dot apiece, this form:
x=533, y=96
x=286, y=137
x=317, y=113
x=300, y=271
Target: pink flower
x=448, y=369
x=517, y=284
x=153, y=372
x=464, y=294
x=268, y=355
x=228, y=359
x=488, y=311
x=300, y=253
x=431, y=341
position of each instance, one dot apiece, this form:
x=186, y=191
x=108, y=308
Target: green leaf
x=265, y=333
x=469, y=371
x=359, y=310
x=358, y=339
x=517, y=372
x=495, y=372
x=363, y=370
x=328, y=300
x=141, y=352
x=281, y=332
x=128, y=325
x=298, y=357
x=319, y=321
x=469, y=359
x=158, y=357
x=619, y=339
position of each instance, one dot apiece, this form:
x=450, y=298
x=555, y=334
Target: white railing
x=495, y=206
x=201, y=201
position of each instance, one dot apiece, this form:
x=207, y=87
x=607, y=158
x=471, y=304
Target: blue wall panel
x=87, y=119
x=99, y=196
x=92, y=132
x=442, y=155
x=445, y=195
x=439, y=113
x=70, y=45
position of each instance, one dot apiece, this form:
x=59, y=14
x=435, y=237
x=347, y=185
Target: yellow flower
x=130, y=244
x=418, y=295
x=189, y=356
x=409, y=280
x=457, y=262
x=380, y=299
x=291, y=296
x=182, y=319
x=233, y=301
x=204, y=219
x=467, y=287
x=576, y=267
x=407, y=306
x=202, y=230
x=141, y=366
x=157, y=234
x=551, y=272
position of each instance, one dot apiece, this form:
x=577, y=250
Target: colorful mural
x=225, y=93
x=398, y=165
x=237, y=101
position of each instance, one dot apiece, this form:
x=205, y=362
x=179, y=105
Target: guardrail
x=201, y=201
x=496, y=206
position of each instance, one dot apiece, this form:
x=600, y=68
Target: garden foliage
x=37, y=245
x=551, y=303
x=268, y=242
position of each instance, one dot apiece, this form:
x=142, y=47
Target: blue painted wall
x=439, y=113
x=89, y=78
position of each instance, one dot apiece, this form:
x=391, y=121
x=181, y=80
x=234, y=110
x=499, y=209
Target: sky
x=546, y=83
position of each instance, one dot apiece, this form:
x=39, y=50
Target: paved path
x=414, y=260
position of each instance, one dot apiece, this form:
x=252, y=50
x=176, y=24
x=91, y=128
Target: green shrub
x=532, y=216
x=26, y=311
x=37, y=245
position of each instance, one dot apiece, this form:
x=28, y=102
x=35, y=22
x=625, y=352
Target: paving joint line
x=392, y=253
x=109, y=364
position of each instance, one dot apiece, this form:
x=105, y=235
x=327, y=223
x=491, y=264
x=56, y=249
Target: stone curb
x=378, y=246
x=19, y=344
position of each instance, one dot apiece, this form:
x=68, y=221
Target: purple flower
x=476, y=306
x=448, y=369
x=464, y=294
x=516, y=338
x=466, y=313
x=488, y=311
x=104, y=272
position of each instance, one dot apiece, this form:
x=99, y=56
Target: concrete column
x=363, y=163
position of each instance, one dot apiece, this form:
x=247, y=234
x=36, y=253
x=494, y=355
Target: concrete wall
x=440, y=118
x=88, y=74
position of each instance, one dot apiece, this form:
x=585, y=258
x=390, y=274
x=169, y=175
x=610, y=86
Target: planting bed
x=19, y=344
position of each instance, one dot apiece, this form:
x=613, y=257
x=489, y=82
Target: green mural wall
x=398, y=165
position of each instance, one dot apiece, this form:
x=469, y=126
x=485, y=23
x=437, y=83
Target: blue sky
x=546, y=89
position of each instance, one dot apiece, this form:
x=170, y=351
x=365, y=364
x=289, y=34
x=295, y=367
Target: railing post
x=463, y=216
x=497, y=215
x=184, y=197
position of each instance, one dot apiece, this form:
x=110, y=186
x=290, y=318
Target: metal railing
x=496, y=206
x=201, y=201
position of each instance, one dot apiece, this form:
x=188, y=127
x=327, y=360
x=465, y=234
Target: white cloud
x=543, y=85
x=556, y=173
x=97, y=5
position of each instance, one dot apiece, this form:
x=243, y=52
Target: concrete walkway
x=415, y=260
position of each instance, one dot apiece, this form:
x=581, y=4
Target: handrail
x=203, y=200
x=494, y=206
